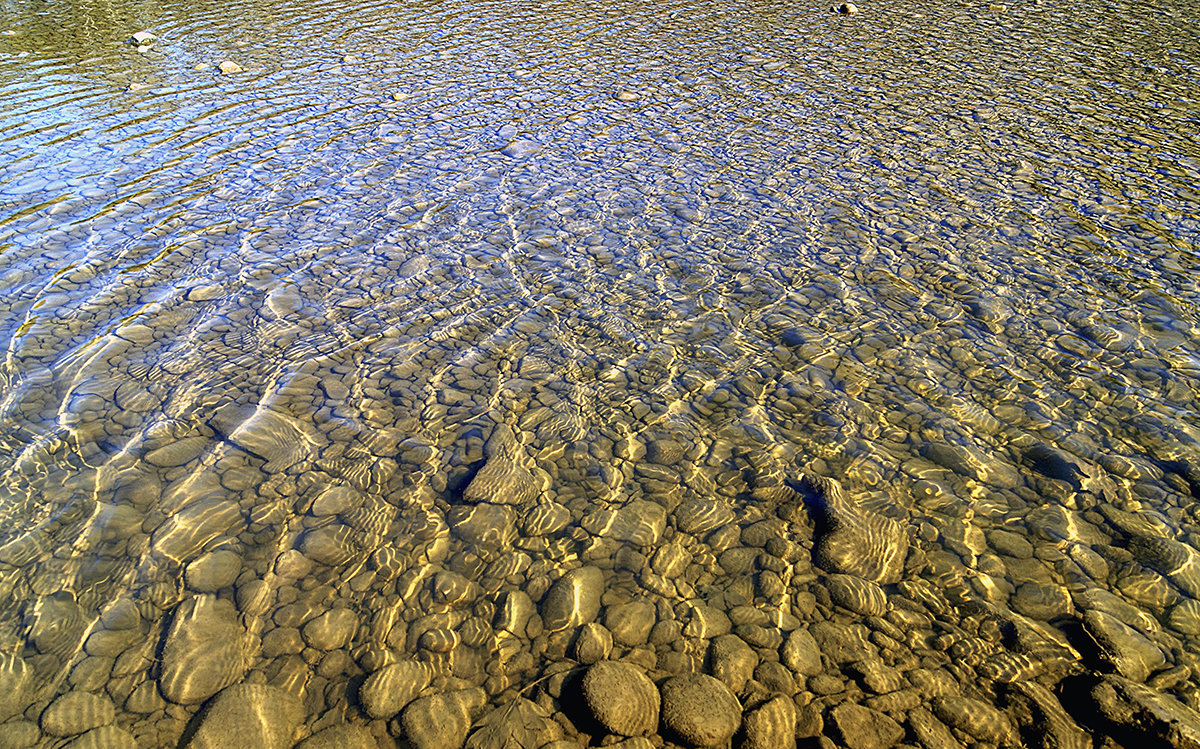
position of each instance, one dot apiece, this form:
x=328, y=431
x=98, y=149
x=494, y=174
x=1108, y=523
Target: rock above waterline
x=621, y=698
x=845, y=9
x=229, y=67
x=700, y=710
x=143, y=39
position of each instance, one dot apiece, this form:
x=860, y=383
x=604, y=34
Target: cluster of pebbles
x=501, y=448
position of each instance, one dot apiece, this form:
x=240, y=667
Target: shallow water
x=781, y=320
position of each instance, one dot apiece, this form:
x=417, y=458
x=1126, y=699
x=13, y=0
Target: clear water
x=944, y=255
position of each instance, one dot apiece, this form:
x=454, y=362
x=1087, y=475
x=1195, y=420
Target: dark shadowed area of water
x=431, y=374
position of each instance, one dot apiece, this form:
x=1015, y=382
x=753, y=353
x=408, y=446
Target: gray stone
x=700, y=710
x=621, y=698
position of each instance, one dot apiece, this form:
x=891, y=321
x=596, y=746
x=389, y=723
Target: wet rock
x=488, y=526
x=205, y=651
x=76, y=712
x=229, y=67
x=441, y=721
x=862, y=728
x=331, y=630
x=389, y=690
x=573, y=599
x=974, y=718
x=272, y=436
x=335, y=500
x=869, y=546
x=143, y=38
x=621, y=698
x=1158, y=719
x=257, y=715
x=522, y=148
x=16, y=685
x=1175, y=560
x=666, y=452
x=19, y=734
x=1131, y=654
x=341, y=736
x=503, y=479
x=843, y=643
x=213, y=571
x=1042, y=716
x=699, y=710
x=594, y=644
x=544, y=519
x=771, y=726
x=104, y=737
x=640, y=523
x=931, y=732
x=846, y=9
x=858, y=595
x=732, y=661
x=630, y=623
x=519, y=723
x=698, y=515
x=801, y=653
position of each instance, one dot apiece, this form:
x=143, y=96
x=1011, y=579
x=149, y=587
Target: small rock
x=772, y=726
x=630, y=623
x=104, y=737
x=621, y=698
x=341, y=736
x=76, y=712
x=257, y=715
x=331, y=630
x=627, y=96
x=143, y=39
x=213, y=571
x=519, y=723
x=801, y=653
x=441, y=721
x=229, y=67
x=863, y=728
x=574, y=599
x=974, y=718
x=846, y=9
x=700, y=710
x=389, y=690
x=1129, y=652
x=205, y=651
x=732, y=661
x=19, y=734
x=594, y=644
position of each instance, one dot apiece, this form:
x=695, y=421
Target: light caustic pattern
x=449, y=349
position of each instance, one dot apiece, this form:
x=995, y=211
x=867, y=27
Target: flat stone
x=630, y=623
x=700, y=710
x=974, y=718
x=801, y=654
x=488, y=526
x=76, y=712
x=229, y=67
x=1157, y=719
x=621, y=698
